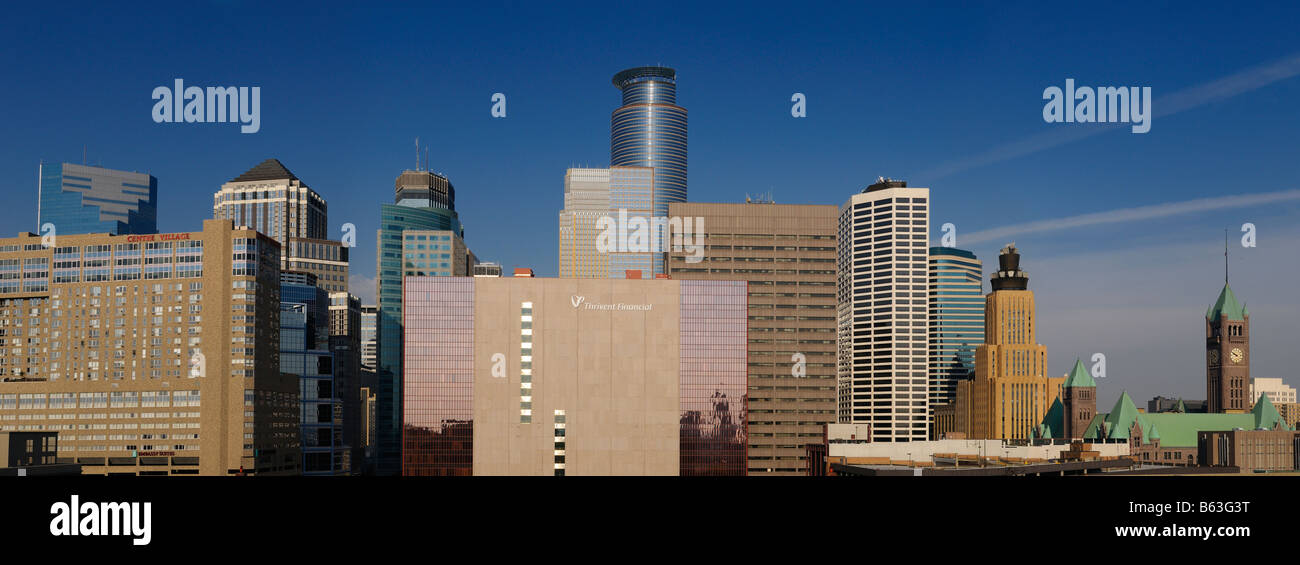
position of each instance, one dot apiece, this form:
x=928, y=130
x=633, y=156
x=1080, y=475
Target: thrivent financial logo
x=76, y=518
x=580, y=302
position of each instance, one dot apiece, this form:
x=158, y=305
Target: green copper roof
x=1180, y=407
x=1079, y=376
x=1266, y=415
x=1053, y=425
x=1175, y=429
x=1120, y=419
x=1227, y=305
x=1095, y=427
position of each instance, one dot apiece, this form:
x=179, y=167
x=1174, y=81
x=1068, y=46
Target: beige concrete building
x=786, y=253
x=1278, y=392
x=529, y=376
x=149, y=354
x=883, y=297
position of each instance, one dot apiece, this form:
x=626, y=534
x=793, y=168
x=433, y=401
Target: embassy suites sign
x=580, y=302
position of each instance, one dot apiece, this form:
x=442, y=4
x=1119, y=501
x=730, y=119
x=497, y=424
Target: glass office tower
x=80, y=200
x=649, y=130
x=424, y=200
x=956, y=321
x=304, y=352
x=592, y=199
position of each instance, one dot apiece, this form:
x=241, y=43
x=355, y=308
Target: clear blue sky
x=892, y=90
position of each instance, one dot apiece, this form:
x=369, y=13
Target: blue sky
x=899, y=91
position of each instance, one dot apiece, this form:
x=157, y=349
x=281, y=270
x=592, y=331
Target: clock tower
x=1227, y=355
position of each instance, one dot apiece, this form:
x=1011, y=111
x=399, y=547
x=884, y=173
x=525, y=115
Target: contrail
x=1247, y=80
x=1133, y=214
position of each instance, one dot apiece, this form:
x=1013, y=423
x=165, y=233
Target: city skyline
x=748, y=144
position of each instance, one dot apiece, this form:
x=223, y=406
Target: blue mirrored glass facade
x=406, y=214
x=304, y=352
x=956, y=320
x=78, y=199
x=649, y=130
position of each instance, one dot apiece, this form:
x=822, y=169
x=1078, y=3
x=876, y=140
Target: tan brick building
x=149, y=354
x=786, y=253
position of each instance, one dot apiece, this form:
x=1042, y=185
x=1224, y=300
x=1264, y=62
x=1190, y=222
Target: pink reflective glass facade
x=438, y=381
x=714, y=342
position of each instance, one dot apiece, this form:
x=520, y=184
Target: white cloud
x=362, y=287
x=1132, y=214
x=1223, y=88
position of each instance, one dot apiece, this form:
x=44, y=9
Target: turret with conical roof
x=1080, y=400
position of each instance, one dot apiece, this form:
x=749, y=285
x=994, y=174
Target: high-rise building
x=883, y=309
x=304, y=352
x=607, y=226
x=535, y=376
x=956, y=322
x=1011, y=391
x=1278, y=392
x=786, y=254
x=272, y=200
x=423, y=200
x=1227, y=355
x=435, y=253
x=369, y=336
x=345, y=344
x=325, y=259
x=649, y=130
x=130, y=351
x=77, y=199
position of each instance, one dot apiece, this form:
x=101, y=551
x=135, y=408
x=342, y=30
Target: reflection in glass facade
x=714, y=342
x=956, y=321
x=649, y=130
x=438, y=415
x=79, y=199
x=394, y=220
x=304, y=352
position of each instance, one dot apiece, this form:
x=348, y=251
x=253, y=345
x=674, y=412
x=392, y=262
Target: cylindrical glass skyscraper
x=649, y=130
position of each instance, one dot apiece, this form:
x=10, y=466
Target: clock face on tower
x=1236, y=355
x=1214, y=356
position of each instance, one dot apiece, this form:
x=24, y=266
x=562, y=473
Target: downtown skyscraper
x=77, y=199
x=272, y=200
x=956, y=322
x=882, y=357
x=649, y=130
x=785, y=253
x=423, y=200
x=597, y=201
x=608, y=225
